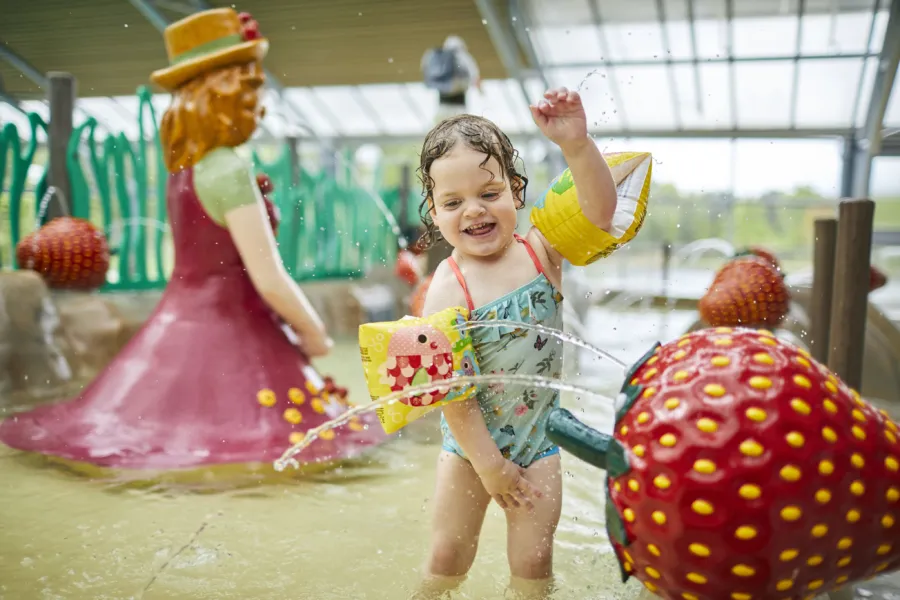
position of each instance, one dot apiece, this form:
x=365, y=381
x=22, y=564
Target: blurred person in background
x=451, y=71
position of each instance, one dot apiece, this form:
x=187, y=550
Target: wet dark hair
x=480, y=135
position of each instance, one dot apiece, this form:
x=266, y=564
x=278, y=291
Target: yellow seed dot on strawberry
x=696, y=578
x=883, y=549
x=891, y=463
x=802, y=381
x=652, y=572
x=653, y=550
x=684, y=343
x=819, y=530
x=845, y=543
x=887, y=521
x=745, y=532
x=680, y=375
x=751, y=448
x=702, y=507
x=756, y=414
x=814, y=560
x=795, y=439
x=830, y=406
x=668, y=440
x=892, y=495
x=768, y=341
x=800, y=406
x=889, y=435
x=623, y=431
x=652, y=359
x=853, y=516
x=629, y=515
x=829, y=434
x=662, y=482
x=296, y=437
x=857, y=488
x=707, y=425
x=679, y=355
x=649, y=392
x=857, y=460
x=651, y=372
x=858, y=432
x=658, y=517
x=633, y=485
x=823, y=496
x=689, y=596
x=650, y=587
x=723, y=341
x=638, y=451
x=784, y=585
x=720, y=361
x=841, y=579
x=826, y=467
x=758, y=382
x=643, y=417
x=617, y=486
x=790, y=473
x=881, y=567
x=791, y=513
x=858, y=415
x=814, y=585
x=748, y=491
x=788, y=555
x=740, y=596
x=763, y=358
x=743, y=571
x=705, y=466
x=714, y=389
x=672, y=403
x=829, y=385
x=844, y=561
x=699, y=550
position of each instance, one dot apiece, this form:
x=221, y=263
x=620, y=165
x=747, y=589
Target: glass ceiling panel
x=843, y=33
x=343, y=104
x=826, y=92
x=712, y=108
x=549, y=13
x=763, y=92
x=633, y=31
x=492, y=104
x=647, y=97
x=398, y=114
x=678, y=30
x=425, y=100
x=114, y=115
x=323, y=123
x=599, y=104
x=711, y=38
x=892, y=114
x=580, y=44
x=765, y=36
x=868, y=79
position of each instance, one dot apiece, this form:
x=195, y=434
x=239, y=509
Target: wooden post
x=403, y=198
x=62, y=108
x=851, y=290
x=825, y=232
x=666, y=265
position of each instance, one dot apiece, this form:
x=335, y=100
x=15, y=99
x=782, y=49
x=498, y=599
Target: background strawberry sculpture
x=749, y=291
x=741, y=468
x=68, y=252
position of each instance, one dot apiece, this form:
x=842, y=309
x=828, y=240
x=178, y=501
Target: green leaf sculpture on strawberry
x=741, y=468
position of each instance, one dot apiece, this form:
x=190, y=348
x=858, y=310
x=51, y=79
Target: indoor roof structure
x=348, y=70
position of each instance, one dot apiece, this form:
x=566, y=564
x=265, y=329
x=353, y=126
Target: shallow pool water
x=358, y=532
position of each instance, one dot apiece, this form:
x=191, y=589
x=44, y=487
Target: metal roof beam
x=869, y=144
x=638, y=62
x=522, y=25
x=504, y=41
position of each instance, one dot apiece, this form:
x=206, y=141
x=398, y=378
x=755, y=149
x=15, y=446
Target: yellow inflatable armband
x=558, y=215
x=413, y=351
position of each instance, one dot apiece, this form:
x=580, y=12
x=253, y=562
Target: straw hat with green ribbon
x=206, y=41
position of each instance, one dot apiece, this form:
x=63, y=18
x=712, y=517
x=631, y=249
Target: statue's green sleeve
x=224, y=181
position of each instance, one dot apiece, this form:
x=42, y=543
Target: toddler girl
x=494, y=445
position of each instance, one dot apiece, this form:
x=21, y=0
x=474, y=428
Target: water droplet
x=484, y=21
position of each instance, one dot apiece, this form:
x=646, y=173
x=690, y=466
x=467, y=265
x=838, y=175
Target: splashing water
x=565, y=337
x=286, y=459
x=45, y=205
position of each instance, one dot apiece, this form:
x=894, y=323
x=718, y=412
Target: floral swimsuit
x=516, y=416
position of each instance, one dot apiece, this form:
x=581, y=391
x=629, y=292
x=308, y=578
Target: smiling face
x=474, y=207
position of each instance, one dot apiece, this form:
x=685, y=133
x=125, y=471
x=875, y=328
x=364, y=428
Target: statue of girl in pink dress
x=220, y=372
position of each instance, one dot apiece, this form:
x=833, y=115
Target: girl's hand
x=507, y=485
x=560, y=117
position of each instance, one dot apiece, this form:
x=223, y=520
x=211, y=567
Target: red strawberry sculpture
x=70, y=253
x=746, y=291
x=762, y=253
x=266, y=187
x=877, y=279
x=742, y=468
x=406, y=268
